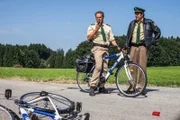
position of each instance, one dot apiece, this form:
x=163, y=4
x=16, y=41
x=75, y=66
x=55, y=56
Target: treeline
x=165, y=53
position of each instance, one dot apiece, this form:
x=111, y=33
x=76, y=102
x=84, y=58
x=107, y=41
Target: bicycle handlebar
x=19, y=102
x=112, y=46
x=22, y=103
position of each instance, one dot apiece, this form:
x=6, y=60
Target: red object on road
x=155, y=113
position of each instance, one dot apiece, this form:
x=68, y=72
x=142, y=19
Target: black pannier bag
x=85, y=63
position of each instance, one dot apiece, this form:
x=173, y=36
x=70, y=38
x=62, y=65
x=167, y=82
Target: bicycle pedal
x=102, y=80
x=34, y=117
x=8, y=93
x=78, y=106
x=131, y=89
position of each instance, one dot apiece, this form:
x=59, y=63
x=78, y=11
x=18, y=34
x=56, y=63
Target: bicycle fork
x=24, y=114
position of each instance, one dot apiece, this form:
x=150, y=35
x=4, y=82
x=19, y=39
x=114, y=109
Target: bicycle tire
x=63, y=104
x=83, y=80
x=122, y=80
x=8, y=113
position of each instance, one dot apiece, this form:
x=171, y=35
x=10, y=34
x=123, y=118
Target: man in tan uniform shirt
x=101, y=35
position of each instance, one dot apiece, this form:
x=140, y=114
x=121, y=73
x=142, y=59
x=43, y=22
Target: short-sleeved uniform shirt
x=98, y=38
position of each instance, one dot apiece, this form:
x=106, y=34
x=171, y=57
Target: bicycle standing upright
x=127, y=75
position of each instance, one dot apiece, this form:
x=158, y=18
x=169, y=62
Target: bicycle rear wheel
x=5, y=113
x=63, y=104
x=83, y=80
x=131, y=85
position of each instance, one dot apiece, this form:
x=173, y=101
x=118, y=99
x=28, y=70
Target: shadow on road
x=115, y=90
x=151, y=90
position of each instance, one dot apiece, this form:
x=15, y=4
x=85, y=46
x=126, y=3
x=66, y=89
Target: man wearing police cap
x=140, y=39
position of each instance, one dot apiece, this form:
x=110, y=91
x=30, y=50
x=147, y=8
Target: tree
x=22, y=57
x=69, y=61
x=51, y=60
x=59, y=58
x=8, y=56
x=158, y=57
x=83, y=48
x=32, y=59
x=165, y=53
x=2, y=47
x=41, y=50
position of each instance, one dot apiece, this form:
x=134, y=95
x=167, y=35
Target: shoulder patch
x=107, y=24
x=151, y=21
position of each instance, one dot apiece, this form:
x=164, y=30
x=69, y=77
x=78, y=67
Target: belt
x=100, y=45
x=137, y=45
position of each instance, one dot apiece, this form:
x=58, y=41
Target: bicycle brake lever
x=21, y=103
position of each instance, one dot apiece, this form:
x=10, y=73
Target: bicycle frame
x=25, y=115
x=120, y=57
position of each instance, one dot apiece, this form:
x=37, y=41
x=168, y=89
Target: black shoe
x=103, y=90
x=92, y=91
x=144, y=92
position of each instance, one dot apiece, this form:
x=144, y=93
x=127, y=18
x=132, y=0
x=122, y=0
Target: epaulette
x=93, y=24
x=108, y=25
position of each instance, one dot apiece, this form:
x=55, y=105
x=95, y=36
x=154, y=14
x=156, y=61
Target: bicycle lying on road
x=127, y=75
x=45, y=105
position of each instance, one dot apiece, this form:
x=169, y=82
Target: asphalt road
x=105, y=106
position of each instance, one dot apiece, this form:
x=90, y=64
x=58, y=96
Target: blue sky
x=63, y=23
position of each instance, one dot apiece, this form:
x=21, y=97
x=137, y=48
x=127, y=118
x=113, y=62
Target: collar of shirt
x=140, y=21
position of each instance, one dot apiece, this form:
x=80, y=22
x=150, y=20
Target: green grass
x=164, y=76
x=38, y=74
x=157, y=76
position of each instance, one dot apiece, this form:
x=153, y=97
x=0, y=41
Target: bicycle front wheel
x=5, y=113
x=63, y=104
x=131, y=80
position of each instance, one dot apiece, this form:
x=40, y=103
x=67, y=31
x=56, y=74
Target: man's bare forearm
x=115, y=44
x=91, y=35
